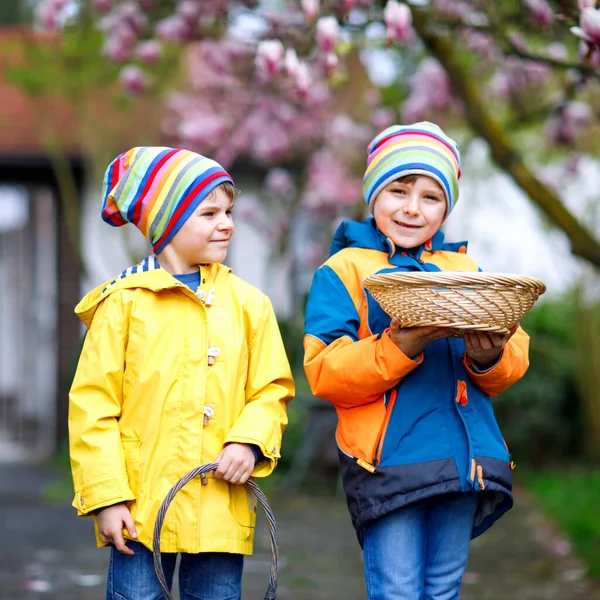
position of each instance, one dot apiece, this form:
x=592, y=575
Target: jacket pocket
x=243, y=505
x=131, y=451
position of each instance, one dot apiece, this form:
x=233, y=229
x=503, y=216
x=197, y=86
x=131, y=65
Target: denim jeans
x=205, y=576
x=420, y=552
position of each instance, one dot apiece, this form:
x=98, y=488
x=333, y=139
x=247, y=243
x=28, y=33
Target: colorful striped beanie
x=157, y=189
x=417, y=149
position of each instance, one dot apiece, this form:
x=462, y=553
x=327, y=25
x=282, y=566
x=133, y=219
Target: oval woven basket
x=482, y=301
x=271, y=593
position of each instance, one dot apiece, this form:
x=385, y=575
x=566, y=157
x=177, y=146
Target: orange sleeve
x=512, y=365
x=350, y=373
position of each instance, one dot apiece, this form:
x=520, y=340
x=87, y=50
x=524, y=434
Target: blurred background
x=287, y=94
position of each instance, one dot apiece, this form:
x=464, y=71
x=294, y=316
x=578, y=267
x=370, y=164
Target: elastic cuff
x=258, y=455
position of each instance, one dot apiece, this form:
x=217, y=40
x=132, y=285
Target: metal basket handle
x=271, y=593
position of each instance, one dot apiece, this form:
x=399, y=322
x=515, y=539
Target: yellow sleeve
x=269, y=388
x=95, y=399
x=512, y=365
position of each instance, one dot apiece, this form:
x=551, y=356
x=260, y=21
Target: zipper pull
x=365, y=465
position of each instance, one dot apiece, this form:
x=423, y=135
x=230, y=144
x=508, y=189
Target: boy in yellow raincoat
x=182, y=364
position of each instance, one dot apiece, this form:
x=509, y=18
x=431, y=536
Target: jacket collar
x=365, y=234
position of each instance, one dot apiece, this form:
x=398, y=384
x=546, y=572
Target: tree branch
x=582, y=241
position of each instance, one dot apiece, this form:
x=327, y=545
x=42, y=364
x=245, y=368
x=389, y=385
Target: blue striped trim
x=148, y=264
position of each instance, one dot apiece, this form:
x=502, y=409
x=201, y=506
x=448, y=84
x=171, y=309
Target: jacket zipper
x=462, y=400
x=377, y=449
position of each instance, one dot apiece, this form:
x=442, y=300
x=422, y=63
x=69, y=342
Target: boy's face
x=410, y=213
x=204, y=237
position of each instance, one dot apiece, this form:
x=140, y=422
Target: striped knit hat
x=417, y=149
x=157, y=189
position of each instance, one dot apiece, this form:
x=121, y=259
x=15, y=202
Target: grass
x=572, y=498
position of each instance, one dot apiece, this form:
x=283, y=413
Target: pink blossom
x=415, y=108
x=431, y=81
x=586, y=4
x=499, y=86
x=344, y=132
x=103, y=6
x=116, y=50
x=328, y=33
x=331, y=62
x=48, y=15
x=383, y=118
x=173, y=29
x=124, y=32
x=483, y=45
x=203, y=131
x=133, y=79
x=589, y=26
x=564, y=127
x=303, y=78
x=269, y=58
x=310, y=8
x=557, y=51
x=330, y=186
x=540, y=11
x=535, y=72
x=131, y=14
x=430, y=91
x=272, y=146
x=189, y=10
x=398, y=20
x=578, y=112
x=451, y=8
x=149, y=52
x=279, y=183
x=594, y=59
x=291, y=63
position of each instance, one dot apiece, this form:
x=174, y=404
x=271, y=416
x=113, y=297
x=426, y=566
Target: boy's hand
x=484, y=348
x=236, y=463
x=111, y=522
x=413, y=340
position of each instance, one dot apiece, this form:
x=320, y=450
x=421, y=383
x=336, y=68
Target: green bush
x=570, y=497
x=540, y=416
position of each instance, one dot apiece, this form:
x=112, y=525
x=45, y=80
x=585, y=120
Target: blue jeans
x=205, y=576
x=420, y=552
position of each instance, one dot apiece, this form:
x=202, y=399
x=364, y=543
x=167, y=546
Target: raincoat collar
x=150, y=275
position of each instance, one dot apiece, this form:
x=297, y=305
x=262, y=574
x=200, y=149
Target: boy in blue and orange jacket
x=424, y=465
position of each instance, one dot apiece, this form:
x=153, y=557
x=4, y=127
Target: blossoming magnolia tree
x=278, y=84
x=265, y=81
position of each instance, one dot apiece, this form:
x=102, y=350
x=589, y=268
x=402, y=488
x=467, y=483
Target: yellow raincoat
x=137, y=403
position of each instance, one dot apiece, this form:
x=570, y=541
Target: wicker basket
x=482, y=301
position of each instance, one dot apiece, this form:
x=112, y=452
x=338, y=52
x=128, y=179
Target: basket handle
x=271, y=593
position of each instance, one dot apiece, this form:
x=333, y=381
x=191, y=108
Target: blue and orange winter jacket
x=407, y=429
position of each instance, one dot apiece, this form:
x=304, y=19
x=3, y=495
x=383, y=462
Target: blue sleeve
x=330, y=312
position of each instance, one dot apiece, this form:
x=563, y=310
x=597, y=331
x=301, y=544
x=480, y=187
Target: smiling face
x=410, y=210
x=204, y=237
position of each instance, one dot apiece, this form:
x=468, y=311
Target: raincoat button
x=212, y=354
